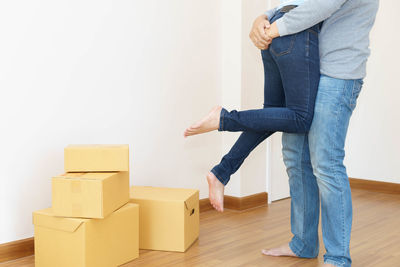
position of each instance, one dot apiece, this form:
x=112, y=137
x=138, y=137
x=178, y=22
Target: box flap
x=46, y=218
x=161, y=193
x=86, y=175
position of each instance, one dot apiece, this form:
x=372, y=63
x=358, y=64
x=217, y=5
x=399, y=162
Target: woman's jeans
x=314, y=163
x=291, y=71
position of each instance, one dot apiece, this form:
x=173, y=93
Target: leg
x=298, y=66
x=220, y=174
x=298, y=62
x=230, y=163
x=335, y=103
x=304, y=199
x=273, y=97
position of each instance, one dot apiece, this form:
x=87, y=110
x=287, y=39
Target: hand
x=258, y=33
x=272, y=31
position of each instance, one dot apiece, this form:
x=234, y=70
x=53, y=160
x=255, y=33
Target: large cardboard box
x=96, y=158
x=89, y=195
x=72, y=242
x=169, y=217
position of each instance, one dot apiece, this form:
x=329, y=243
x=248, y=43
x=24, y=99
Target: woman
x=291, y=71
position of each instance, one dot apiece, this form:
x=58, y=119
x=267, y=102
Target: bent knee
x=304, y=123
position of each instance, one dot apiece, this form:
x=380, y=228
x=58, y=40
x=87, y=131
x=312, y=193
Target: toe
x=266, y=252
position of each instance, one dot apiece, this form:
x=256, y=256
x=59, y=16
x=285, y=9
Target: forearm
x=270, y=13
x=306, y=15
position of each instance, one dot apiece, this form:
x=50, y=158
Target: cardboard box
x=67, y=242
x=96, y=158
x=169, y=217
x=89, y=195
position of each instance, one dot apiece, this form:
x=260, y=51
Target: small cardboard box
x=89, y=195
x=72, y=242
x=169, y=217
x=96, y=158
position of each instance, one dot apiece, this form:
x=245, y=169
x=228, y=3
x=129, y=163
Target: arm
x=304, y=16
x=270, y=13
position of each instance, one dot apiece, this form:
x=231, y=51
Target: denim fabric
x=291, y=71
x=317, y=174
x=291, y=66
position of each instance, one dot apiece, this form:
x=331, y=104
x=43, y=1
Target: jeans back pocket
x=283, y=45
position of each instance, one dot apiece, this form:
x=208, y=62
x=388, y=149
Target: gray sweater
x=344, y=38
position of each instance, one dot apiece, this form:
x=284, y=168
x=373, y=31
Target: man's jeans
x=291, y=66
x=315, y=167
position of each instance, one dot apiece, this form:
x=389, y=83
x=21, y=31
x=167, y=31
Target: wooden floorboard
x=17, y=249
x=235, y=238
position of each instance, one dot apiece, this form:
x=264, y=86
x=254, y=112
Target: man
x=314, y=161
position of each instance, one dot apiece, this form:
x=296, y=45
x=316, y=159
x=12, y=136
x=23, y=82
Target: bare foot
x=283, y=250
x=215, y=192
x=207, y=124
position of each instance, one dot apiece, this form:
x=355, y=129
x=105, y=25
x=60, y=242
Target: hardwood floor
x=235, y=238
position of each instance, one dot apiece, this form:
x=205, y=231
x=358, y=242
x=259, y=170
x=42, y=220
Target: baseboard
x=205, y=205
x=17, y=249
x=377, y=186
x=238, y=203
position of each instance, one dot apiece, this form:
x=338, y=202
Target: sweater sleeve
x=306, y=15
x=270, y=13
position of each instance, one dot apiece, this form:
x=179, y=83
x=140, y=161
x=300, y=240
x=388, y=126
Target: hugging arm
x=309, y=13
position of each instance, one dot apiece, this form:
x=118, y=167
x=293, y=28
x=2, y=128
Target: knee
x=304, y=123
x=291, y=150
x=329, y=171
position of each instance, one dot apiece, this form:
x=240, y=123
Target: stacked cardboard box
x=91, y=222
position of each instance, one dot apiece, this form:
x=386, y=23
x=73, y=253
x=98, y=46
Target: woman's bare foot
x=207, y=124
x=283, y=250
x=215, y=192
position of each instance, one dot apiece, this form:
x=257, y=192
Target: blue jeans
x=314, y=163
x=291, y=67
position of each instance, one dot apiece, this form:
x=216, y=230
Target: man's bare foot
x=283, y=250
x=207, y=124
x=215, y=192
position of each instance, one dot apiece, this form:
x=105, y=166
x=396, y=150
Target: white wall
x=135, y=72
x=373, y=143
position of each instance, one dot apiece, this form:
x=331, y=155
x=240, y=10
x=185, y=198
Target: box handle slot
x=191, y=212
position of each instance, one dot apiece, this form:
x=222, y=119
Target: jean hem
x=218, y=176
x=336, y=264
x=294, y=249
x=300, y=249
x=221, y=120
